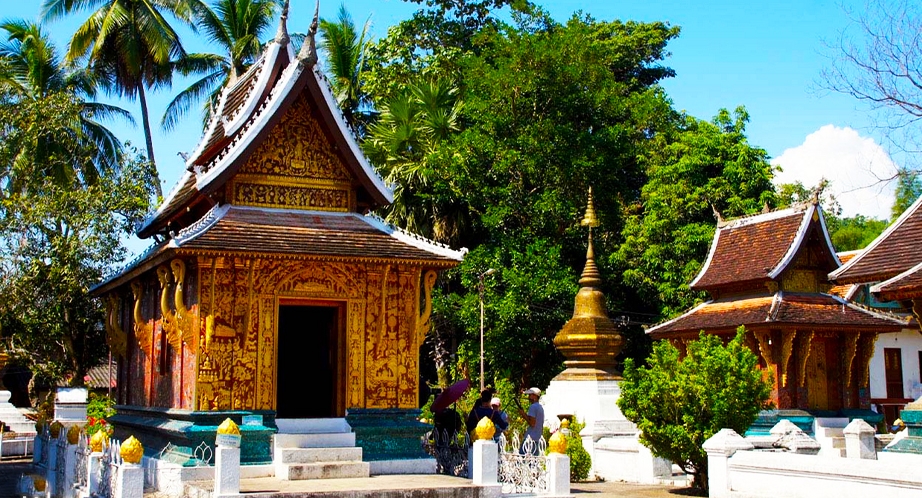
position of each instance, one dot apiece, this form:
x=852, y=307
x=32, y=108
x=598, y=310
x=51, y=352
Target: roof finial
x=590, y=220
x=717, y=215
x=308, y=53
x=281, y=36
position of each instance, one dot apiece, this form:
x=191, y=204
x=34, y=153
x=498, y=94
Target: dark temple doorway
x=308, y=356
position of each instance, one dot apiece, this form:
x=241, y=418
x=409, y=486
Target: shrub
x=580, y=461
x=97, y=410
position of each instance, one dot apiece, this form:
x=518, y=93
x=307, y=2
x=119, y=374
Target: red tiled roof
x=816, y=311
x=310, y=233
x=749, y=249
x=903, y=286
x=893, y=252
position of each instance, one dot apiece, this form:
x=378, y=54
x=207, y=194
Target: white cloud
x=853, y=164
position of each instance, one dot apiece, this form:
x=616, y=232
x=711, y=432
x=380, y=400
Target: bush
x=98, y=409
x=678, y=403
x=580, y=461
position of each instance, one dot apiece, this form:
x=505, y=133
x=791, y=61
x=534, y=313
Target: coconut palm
x=235, y=26
x=130, y=44
x=31, y=70
x=345, y=49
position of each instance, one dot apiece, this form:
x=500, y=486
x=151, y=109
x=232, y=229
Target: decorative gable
x=296, y=166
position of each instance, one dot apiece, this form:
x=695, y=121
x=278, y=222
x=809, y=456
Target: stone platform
x=390, y=486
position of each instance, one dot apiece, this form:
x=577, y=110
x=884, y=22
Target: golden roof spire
x=590, y=219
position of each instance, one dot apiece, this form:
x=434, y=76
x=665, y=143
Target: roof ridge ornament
x=281, y=36
x=308, y=53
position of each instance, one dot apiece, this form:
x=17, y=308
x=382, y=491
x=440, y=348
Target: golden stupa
x=589, y=341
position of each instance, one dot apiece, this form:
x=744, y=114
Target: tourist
x=535, y=418
x=483, y=409
x=495, y=405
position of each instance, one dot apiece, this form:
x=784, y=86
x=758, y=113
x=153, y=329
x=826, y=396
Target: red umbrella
x=451, y=394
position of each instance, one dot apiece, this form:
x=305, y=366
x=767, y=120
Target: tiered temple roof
x=768, y=271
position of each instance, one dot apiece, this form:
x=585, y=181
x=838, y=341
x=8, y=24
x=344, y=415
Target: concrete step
x=838, y=442
x=312, y=425
x=324, y=440
x=316, y=455
x=322, y=470
x=830, y=432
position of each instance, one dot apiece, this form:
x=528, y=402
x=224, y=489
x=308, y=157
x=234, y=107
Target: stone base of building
x=410, y=466
x=186, y=430
x=805, y=419
x=388, y=433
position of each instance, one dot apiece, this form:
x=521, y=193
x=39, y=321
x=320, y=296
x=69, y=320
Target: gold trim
x=804, y=347
x=849, y=351
x=116, y=337
x=765, y=349
x=142, y=329
x=423, y=325
x=866, y=345
x=289, y=181
x=168, y=318
x=186, y=321
x=787, y=347
x=431, y=263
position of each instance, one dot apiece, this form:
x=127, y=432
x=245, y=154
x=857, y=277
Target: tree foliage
x=694, y=172
x=60, y=238
x=678, y=403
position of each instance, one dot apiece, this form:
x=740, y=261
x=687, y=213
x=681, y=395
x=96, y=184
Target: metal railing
x=81, y=462
x=450, y=451
x=60, y=464
x=522, y=466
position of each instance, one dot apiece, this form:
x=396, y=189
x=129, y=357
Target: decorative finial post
x=308, y=53
x=281, y=36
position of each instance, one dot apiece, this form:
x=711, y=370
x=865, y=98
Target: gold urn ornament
x=485, y=429
x=98, y=440
x=38, y=482
x=73, y=434
x=131, y=450
x=229, y=427
x=558, y=443
x=55, y=429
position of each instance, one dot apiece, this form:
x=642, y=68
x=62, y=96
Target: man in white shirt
x=535, y=419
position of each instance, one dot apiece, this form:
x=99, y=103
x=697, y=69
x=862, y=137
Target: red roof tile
x=815, y=311
x=309, y=233
x=893, y=252
x=749, y=249
x=906, y=285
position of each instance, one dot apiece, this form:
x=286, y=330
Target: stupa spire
x=589, y=341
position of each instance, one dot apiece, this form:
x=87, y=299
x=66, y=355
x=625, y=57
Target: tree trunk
x=145, y=119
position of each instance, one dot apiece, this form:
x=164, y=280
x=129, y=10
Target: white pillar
x=130, y=481
x=92, y=471
x=486, y=462
x=51, y=469
x=859, y=440
x=226, y=471
x=70, y=470
x=558, y=475
x=720, y=447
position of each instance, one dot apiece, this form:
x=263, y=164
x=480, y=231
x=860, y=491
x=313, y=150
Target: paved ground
x=12, y=470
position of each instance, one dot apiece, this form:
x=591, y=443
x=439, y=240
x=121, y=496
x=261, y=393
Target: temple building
x=768, y=272
x=888, y=273
x=270, y=295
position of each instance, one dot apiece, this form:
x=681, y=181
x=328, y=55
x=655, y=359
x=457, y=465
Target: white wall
x=910, y=343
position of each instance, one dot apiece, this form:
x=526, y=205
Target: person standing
x=495, y=405
x=483, y=409
x=535, y=418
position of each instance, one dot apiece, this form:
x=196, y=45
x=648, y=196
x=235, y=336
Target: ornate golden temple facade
x=268, y=284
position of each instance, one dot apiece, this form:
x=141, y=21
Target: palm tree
x=235, y=27
x=30, y=70
x=131, y=45
x=401, y=143
x=345, y=51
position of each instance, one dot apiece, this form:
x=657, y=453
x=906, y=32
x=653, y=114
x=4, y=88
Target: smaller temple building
x=768, y=272
x=270, y=294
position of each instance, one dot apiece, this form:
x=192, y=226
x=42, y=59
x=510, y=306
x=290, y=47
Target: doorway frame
x=339, y=345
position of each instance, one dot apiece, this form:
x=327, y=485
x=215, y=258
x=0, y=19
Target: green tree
x=234, y=26
x=345, y=49
x=130, y=45
x=58, y=239
x=693, y=171
x=30, y=70
x=848, y=234
x=678, y=403
x=908, y=189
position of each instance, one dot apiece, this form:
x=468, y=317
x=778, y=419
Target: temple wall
x=240, y=297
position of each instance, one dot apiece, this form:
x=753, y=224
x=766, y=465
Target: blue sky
x=767, y=56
